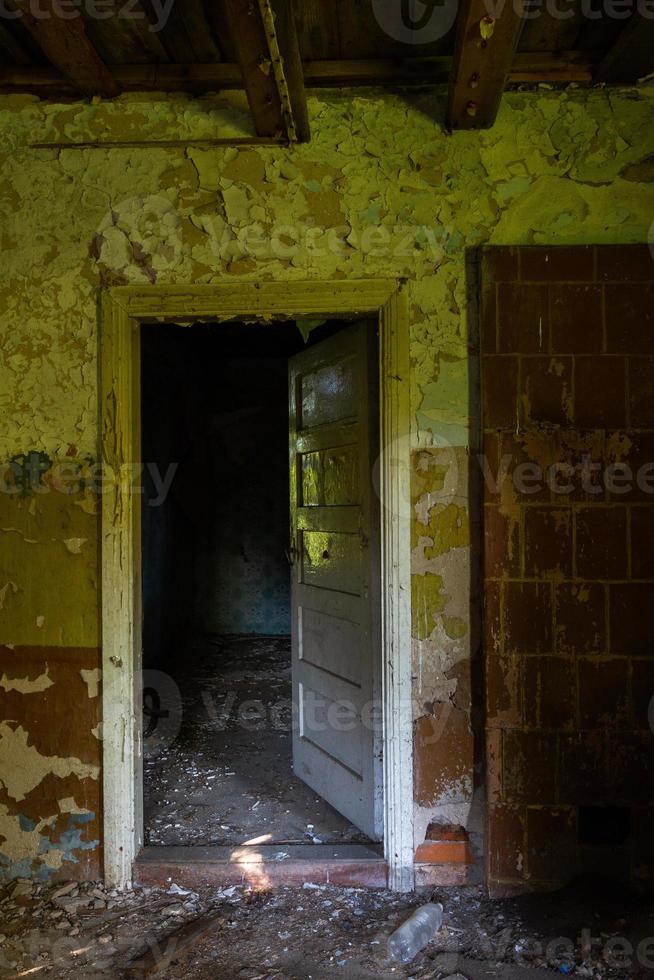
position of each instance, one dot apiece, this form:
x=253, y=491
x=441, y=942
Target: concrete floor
x=227, y=777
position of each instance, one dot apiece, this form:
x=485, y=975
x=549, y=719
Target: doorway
x=242, y=741
x=123, y=310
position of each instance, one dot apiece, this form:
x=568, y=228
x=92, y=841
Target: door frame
x=122, y=310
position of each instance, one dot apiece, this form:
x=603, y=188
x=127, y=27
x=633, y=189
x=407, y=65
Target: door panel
x=330, y=477
x=329, y=393
x=330, y=643
x=333, y=393
x=331, y=561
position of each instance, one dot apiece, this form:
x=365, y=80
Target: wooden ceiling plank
x=67, y=46
x=126, y=40
x=484, y=52
x=141, y=28
x=632, y=54
x=289, y=47
x=548, y=32
x=12, y=51
x=317, y=29
x=171, y=31
x=200, y=33
x=244, y=22
x=360, y=33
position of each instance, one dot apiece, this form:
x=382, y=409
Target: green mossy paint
x=427, y=600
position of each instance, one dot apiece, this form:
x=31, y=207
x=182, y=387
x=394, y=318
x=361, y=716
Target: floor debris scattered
x=227, y=777
x=68, y=931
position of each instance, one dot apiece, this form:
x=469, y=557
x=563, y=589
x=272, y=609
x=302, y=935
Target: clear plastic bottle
x=414, y=934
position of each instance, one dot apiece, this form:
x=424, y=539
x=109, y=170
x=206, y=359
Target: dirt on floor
x=218, y=768
x=70, y=931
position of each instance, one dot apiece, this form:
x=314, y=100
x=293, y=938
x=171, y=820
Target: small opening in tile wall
x=608, y=826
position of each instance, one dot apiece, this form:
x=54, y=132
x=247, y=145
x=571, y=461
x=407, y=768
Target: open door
x=335, y=592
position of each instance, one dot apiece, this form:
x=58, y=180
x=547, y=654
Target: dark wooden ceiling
x=215, y=44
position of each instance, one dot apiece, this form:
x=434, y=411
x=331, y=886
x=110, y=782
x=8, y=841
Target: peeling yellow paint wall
x=379, y=191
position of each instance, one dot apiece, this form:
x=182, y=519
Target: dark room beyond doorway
x=216, y=589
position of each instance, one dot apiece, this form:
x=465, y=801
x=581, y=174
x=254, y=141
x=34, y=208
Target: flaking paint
x=380, y=191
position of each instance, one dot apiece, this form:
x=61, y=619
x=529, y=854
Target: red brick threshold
x=444, y=858
x=262, y=865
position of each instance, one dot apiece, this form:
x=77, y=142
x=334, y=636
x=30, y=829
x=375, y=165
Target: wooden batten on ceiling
x=243, y=22
x=263, y=37
x=289, y=49
x=484, y=52
x=527, y=68
x=66, y=45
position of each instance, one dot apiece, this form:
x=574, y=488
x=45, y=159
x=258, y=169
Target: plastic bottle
x=414, y=934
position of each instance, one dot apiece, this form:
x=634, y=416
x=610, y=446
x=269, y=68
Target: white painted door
x=335, y=601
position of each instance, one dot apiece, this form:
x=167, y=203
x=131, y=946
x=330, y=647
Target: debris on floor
x=67, y=931
x=227, y=777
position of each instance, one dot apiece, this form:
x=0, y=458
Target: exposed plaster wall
x=380, y=191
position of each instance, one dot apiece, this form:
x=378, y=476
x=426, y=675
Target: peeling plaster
x=20, y=845
x=25, y=685
x=22, y=767
x=74, y=545
x=92, y=680
x=379, y=191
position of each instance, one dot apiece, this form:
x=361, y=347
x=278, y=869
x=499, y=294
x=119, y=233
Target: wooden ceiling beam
x=567, y=67
x=66, y=45
x=244, y=22
x=289, y=48
x=483, y=55
x=632, y=54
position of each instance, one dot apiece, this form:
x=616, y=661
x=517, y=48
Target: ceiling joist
x=66, y=45
x=484, y=52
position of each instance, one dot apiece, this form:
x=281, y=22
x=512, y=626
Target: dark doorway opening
x=216, y=589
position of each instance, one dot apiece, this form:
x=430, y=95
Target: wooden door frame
x=122, y=310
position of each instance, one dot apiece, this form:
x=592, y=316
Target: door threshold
x=263, y=866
